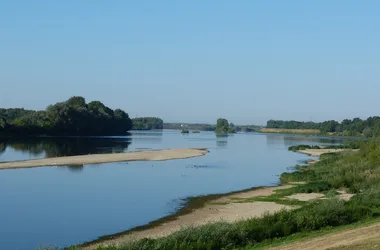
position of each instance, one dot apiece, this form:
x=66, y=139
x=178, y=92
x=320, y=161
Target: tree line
x=348, y=127
x=147, y=123
x=71, y=117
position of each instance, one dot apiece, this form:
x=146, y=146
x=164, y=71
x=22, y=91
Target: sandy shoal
x=154, y=155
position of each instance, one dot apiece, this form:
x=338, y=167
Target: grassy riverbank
x=353, y=172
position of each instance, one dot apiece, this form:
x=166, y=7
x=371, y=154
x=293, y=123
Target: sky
x=194, y=61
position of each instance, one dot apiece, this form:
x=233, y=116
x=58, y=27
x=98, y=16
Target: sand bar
x=153, y=155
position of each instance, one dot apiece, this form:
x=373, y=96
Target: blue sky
x=195, y=61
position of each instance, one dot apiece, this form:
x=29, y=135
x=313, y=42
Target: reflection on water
x=151, y=136
x=76, y=168
x=222, y=140
x=273, y=140
x=68, y=146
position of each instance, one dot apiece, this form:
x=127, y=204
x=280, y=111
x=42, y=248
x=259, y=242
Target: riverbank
x=152, y=155
x=231, y=207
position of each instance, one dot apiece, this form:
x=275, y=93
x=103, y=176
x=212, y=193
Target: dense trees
x=355, y=127
x=72, y=117
x=223, y=127
x=146, y=123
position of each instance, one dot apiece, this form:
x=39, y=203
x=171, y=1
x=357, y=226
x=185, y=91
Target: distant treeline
x=355, y=127
x=189, y=126
x=147, y=123
x=72, y=117
x=209, y=127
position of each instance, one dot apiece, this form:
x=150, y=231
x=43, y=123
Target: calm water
x=69, y=205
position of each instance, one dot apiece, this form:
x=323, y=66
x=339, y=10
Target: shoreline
x=81, y=160
x=319, y=152
x=190, y=208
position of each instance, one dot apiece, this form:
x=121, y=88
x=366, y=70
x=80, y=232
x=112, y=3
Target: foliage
x=347, y=145
x=72, y=117
x=303, y=147
x=354, y=171
x=147, y=123
x=223, y=127
x=355, y=127
x=185, y=131
x=223, y=235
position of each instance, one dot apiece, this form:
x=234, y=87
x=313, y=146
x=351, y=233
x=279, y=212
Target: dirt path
x=342, y=240
x=155, y=155
x=217, y=210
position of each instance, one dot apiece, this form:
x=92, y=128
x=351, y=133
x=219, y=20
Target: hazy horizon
x=193, y=62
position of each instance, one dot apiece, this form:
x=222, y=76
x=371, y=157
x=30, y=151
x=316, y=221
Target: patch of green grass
x=283, y=201
x=218, y=203
x=303, y=236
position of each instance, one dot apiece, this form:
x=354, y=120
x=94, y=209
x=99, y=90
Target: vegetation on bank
x=147, y=123
x=355, y=172
x=355, y=127
x=72, y=117
x=185, y=131
x=346, y=145
x=290, y=131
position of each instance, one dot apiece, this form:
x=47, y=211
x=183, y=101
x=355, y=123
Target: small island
x=223, y=127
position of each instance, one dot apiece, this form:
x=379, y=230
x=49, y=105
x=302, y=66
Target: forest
x=73, y=117
x=348, y=127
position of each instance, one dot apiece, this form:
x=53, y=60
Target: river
x=63, y=206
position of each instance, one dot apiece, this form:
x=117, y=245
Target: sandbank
x=152, y=155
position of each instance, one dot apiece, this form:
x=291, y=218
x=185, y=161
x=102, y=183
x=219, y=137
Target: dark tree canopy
x=72, y=117
x=147, y=123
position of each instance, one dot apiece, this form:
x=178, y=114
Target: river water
x=63, y=206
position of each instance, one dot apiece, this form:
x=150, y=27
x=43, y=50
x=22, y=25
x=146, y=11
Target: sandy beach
x=220, y=209
x=154, y=155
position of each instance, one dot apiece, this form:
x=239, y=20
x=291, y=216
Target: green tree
x=223, y=127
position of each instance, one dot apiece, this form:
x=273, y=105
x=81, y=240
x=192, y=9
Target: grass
x=310, y=235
